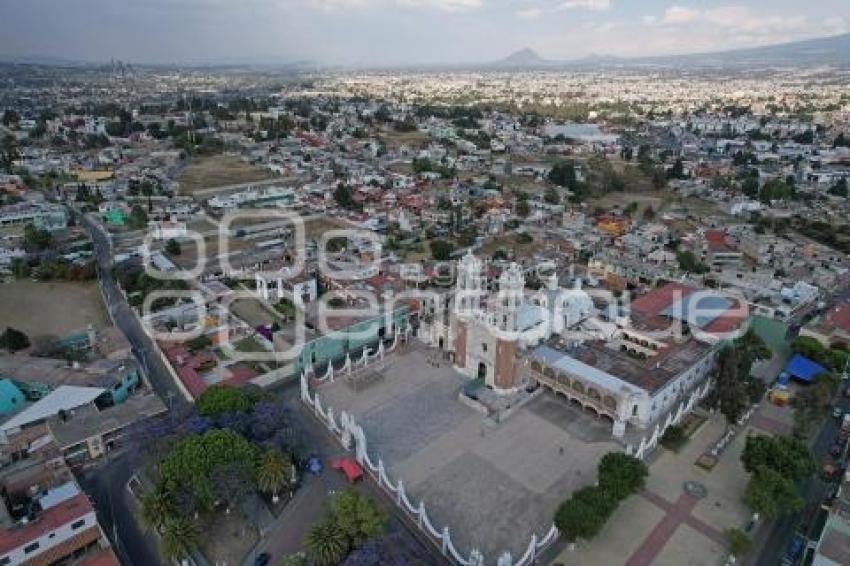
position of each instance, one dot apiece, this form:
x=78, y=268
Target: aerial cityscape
x=424, y=282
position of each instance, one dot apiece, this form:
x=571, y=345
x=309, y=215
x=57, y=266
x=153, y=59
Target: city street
x=121, y=314
x=106, y=484
x=814, y=490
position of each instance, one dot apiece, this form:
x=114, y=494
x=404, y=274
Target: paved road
x=143, y=347
x=106, y=485
x=814, y=490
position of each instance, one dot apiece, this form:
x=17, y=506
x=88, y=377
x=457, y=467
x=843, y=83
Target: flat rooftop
x=650, y=374
x=54, y=372
x=87, y=421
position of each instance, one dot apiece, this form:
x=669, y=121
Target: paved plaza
x=493, y=485
x=664, y=525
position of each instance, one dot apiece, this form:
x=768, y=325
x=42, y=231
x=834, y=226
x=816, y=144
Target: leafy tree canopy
x=219, y=399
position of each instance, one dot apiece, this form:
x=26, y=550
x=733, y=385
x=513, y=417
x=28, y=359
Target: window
x=31, y=548
x=5, y=560
x=484, y=347
x=77, y=524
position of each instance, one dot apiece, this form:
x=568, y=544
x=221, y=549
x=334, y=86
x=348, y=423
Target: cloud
x=595, y=5
x=529, y=13
x=834, y=25
x=680, y=15
x=444, y=5
x=731, y=19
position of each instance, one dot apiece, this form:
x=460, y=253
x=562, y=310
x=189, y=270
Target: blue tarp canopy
x=803, y=369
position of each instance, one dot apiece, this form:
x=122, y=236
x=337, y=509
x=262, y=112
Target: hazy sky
x=378, y=32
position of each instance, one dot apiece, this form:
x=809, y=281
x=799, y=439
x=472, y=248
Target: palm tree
x=272, y=472
x=179, y=537
x=325, y=542
x=155, y=508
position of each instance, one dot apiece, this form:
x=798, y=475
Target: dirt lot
x=216, y=171
x=657, y=200
x=318, y=226
x=50, y=308
x=511, y=242
x=396, y=139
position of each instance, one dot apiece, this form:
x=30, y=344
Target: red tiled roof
x=838, y=316
x=104, y=557
x=49, y=520
x=729, y=320
x=716, y=236
x=240, y=373
x=655, y=301
x=193, y=382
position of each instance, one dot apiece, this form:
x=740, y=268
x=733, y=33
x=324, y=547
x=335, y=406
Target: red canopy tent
x=348, y=466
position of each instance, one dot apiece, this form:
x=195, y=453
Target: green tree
x=358, y=517
x=551, y=196
x=36, y=239
x=522, y=208
x=179, y=537
x=750, y=186
x=622, y=475
x=14, y=340
x=155, y=508
x=677, y=171
x=344, y=196
x=730, y=390
x=172, y=247
x=441, y=250
x=689, y=262
x=585, y=513
x=193, y=458
x=839, y=189
x=11, y=117
x=232, y=482
x=273, y=472
x=138, y=217
x=218, y=399
x=563, y=174
x=788, y=456
x=774, y=189
x=326, y=543
x=771, y=494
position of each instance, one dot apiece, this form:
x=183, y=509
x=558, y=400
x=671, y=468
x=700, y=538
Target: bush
x=739, y=542
x=674, y=438
x=14, y=340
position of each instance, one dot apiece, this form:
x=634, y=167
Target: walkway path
x=676, y=514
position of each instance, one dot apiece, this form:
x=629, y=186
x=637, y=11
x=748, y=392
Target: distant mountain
x=523, y=58
x=45, y=60
x=834, y=50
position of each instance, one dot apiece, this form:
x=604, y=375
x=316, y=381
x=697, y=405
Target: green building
x=11, y=398
x=333, y=346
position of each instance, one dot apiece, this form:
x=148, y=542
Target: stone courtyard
x=493, y=485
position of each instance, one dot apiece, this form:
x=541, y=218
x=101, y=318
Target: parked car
x=262, y=559
x=794, y=550
x=314, y=465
